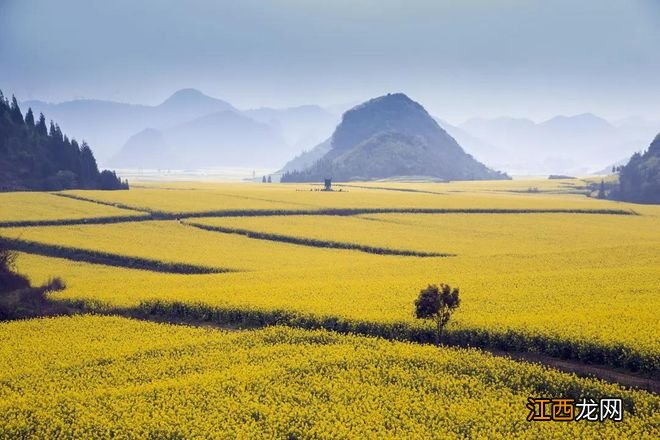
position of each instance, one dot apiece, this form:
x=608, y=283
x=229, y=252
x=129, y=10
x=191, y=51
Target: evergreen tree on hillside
x=29, y=118
x=639, y=180
x=37, y=157
x=41, y=125
x=16, y=114
x=88, y=169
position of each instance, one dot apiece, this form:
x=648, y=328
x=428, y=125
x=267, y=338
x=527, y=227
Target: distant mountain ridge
x=391, y=136
x=578, y=144
x=575, y=145
x=118, y=128
x=109, y=124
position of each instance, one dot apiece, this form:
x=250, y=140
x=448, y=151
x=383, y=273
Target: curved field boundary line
x=78, y=221
x=313, y=242
x=108, y=259
x=387, y=188
x=358, y=211
x=163, y=215
x=158, y=215
x=513, y=342
x=100, y=202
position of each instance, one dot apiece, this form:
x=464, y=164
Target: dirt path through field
x=607, y=374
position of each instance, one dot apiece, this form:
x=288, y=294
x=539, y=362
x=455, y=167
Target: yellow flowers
x=88, y=377
x=195, y=197
x=462, y=234
x=32, y=206
x=588, y=283
x=582, y=286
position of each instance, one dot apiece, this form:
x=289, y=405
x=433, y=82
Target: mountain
x=578, y=144
x=192, y=102
x=639, y=180
x=225, y=138
x=392, y=136
x=34, y=157
x=125, y=134
x=109, y=124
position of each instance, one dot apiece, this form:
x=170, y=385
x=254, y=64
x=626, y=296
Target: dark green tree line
x=34, y=156
x=639, y=179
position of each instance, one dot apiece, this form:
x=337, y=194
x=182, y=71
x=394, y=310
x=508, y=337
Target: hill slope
x=392, y=136
x=639, y=180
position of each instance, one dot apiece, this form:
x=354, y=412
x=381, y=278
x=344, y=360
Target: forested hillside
x=34, y=156
x=639, y=180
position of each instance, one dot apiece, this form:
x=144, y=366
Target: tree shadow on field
x=19, y=299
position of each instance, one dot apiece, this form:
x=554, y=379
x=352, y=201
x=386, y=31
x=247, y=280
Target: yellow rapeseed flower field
x=534, y=277
x=34, y=206
x=102, y=377
x=571, y=285
x=590, y=280
x=462, y=234
x=228, y=197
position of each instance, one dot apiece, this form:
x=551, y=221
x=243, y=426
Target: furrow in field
x=107, y=259
x=317, y=243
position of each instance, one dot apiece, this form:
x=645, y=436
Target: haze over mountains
x=187, y=125
x=193, y=130
x=391, y=136
x=577, y=144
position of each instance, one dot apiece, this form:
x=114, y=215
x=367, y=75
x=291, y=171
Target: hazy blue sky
x=463, y=58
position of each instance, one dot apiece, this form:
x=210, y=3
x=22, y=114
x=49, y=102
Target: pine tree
x=55, y=132
x=88, y=168
x=29, y=118
x=41, y=125
x=16, y=114
x=269, y=181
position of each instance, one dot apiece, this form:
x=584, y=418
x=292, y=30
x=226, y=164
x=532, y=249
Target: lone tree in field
x=437, y=303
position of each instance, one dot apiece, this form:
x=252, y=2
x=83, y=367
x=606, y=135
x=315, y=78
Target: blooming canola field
x=551, y=272
x=100, y=377
x=36, y=207
x=557, y=278
x=197, y=197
